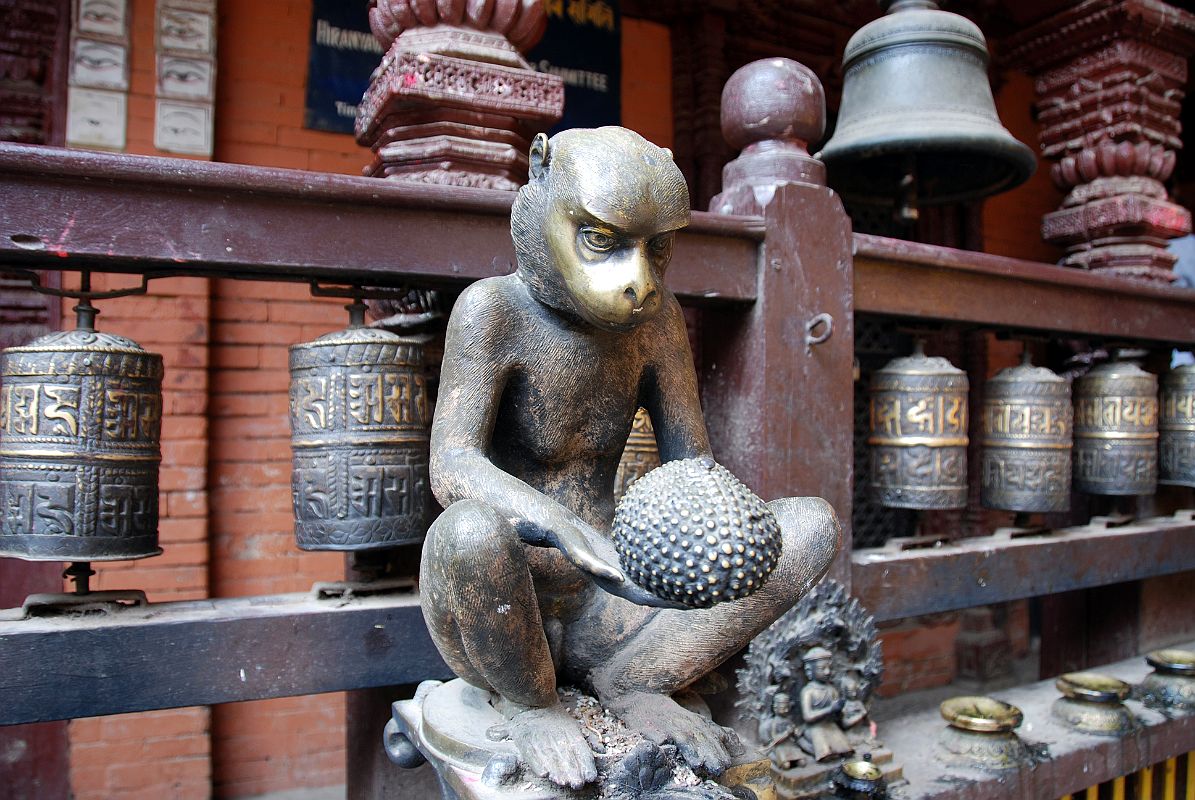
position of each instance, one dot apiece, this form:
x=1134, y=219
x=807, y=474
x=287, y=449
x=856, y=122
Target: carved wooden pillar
x=1109, y=78
x=453, y=101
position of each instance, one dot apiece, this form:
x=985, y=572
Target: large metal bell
x=917, y=124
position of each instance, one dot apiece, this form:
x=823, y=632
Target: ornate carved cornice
x=1088, y=26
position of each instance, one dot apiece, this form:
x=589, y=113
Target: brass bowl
x=1092, y=687
x=980, y=714
x=1172, y=662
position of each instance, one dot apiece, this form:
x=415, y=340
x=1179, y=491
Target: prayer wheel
x=80, y=431
x=640, y=456
x=918, y=433
x=1027, y=437
x=360, y=432
x=1116, y=430
x=1176, y=428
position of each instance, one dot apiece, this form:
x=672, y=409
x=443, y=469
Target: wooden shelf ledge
x=894, y=584
x=1074, y=761
x=168, y=655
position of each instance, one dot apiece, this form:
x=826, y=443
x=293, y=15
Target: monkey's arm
x=670, y=393
x=475, y=370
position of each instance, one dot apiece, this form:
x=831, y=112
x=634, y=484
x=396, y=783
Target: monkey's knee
x=812, y=538
x=469, y=537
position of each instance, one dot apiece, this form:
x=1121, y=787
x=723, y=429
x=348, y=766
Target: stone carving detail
x=1109, y=80
x=807, y=684
x=80, y=425
x=453, y=102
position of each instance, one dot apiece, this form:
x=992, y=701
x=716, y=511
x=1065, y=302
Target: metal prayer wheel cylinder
x=80, y=432
x=359, y=430
x=640, y=456
x=1027, y=435
x=918, y=433
x=1116, y=430
x=1176, y=428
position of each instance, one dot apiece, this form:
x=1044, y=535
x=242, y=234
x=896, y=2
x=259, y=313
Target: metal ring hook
x=812, y=337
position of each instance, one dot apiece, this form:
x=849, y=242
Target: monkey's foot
x=550, y=743
x=703, y=743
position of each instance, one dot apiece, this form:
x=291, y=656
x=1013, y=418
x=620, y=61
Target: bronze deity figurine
x=543, y=373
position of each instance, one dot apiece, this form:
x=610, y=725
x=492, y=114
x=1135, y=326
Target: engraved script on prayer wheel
x=1176, y=428
x=1027, y=435
x=919, y=433
x=80, y=426
x=640, y=456
x=1116, y=430
x=359, y=429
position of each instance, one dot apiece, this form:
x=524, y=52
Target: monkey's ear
x=668, y=150
x=538, y=157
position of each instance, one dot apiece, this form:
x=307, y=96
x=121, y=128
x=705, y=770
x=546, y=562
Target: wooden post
x=777, y=379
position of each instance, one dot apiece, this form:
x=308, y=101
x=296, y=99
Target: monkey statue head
x=593, y=227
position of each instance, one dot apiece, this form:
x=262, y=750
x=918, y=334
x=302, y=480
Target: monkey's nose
x=637, y=304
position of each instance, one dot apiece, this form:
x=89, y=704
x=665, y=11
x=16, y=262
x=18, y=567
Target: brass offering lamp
x=981, y=733
x=917, y=124
x=1116, y=430
x=1176, y=427
x=80, y=433
x=859, y=779
x=1027, y=428
x=360, y=421
x=918, y=437
x=1093, y=703
x=1172, y=683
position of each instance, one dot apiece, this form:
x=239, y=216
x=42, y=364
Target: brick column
x=1109, y=78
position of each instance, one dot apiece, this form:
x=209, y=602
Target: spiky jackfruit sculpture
x=691, y=532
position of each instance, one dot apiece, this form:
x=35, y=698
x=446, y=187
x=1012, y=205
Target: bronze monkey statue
x=543, y=373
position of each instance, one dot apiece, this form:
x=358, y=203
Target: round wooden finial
x=773, y=99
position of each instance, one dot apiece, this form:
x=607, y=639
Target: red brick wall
x=269, y=745
x=166, y=753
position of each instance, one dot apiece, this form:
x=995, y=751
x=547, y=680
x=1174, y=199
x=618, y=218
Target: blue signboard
x=343, y=55
x=582, y=45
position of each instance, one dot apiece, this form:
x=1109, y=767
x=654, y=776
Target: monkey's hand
x=594, y=555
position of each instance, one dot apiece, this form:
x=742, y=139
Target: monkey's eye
x=597, y=240
x=661, y=244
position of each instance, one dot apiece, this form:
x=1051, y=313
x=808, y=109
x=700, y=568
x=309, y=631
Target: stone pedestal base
x=446, y=724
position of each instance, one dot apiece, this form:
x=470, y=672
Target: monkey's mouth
x=621, y=320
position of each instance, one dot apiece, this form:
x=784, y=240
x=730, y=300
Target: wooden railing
x=779, y=410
